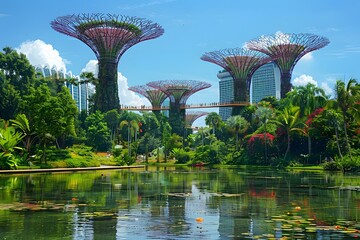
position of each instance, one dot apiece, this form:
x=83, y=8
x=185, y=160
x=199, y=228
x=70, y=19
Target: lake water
x=180, y=203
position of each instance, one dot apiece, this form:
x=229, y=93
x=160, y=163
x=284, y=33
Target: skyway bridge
x=187, y=106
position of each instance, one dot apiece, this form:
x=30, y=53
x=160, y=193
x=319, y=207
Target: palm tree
x=308, y=98
x=132, y=126
x=264, y=114
x=239, y=125
x=347, y=97
x=289, y=120
x=213, y=120
x=333, y=119
x=21, y=122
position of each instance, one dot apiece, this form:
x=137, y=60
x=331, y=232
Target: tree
x=288, y=119
x=50, y=115
x=17, y=70
x=97, y=132
x=346, y=97
x=16, y=77
x=9, y=99
x=239, y=125
x=334, y=119
x=112, y=119
x=132, y=127
x=151, y=124
x=264, y=114
x=174, y=141
x=203, y=132
x=213, y=120
x=308, y=98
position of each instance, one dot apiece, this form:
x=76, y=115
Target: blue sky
x=192, y=27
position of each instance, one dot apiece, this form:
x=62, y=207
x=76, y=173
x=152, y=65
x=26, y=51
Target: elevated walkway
x=191, y=106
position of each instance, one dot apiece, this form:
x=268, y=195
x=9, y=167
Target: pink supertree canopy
x=241, y=63
x=155, y=96
x=190, y=117
x=179, y=91
x=108, y=35
x=286, y=49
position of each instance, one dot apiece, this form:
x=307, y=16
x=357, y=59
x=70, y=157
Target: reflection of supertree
x=109, y=36
x=287, y=49
x=178, y=92
x=241, y=63
x=155, y=96
x=190, y=117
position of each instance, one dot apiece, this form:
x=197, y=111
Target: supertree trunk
x=240, y=95
x=107, y=97
x=177, y=119
x=285, y=84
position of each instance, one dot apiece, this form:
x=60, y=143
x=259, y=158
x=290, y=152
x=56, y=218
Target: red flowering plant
x=256, y=147
x=311, y=117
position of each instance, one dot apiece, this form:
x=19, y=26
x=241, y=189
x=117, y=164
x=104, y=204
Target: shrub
x=332, y=166
x=181, y=155
x=53, y=154
x=206, y=154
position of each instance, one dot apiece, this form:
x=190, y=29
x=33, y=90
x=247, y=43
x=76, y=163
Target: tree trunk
x=288, y=144
x=237, y=140
x=309, y=144
x=265, y=138
x=337, y=142
x=346, y=136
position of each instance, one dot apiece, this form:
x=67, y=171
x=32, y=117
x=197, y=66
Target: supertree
x=155, y=96
x=287, y=49
x=241, y=63
x=190, y=117
x=178, y=92
x=109, y=36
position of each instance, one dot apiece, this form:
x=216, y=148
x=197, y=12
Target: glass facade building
x=226, y=88
x=80, y=93
x=265, y=82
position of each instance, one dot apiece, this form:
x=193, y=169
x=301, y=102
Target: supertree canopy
x=190, y=117
x=109, y=36
x=155, y=96
x=287, y=49
x=178, y=92
x=241, y=63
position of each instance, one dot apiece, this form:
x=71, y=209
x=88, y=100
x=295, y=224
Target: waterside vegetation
x=41, y=127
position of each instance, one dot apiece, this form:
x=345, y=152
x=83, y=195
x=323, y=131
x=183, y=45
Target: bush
x=346, y=164
x=206, y=154
x=81, y=150
x=53, y=154
x=74, y=163
x=332, y=166
x=181, y=155
x=125, y=159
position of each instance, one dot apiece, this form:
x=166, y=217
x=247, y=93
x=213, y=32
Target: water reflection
x=174, y=203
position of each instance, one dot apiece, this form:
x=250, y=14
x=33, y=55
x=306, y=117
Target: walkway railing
x=188, y=106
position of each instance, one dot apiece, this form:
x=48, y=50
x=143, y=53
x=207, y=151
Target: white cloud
x=307, y=57
x=92, y=66
x=328, y=90
x=40, y=53
x=126, y=96
x=303, y=80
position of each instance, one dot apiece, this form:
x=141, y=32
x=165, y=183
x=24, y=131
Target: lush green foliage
x=40, y=119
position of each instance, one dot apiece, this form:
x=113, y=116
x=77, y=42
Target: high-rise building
x=265, y=82
x=226, y=88
x=79, y=92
